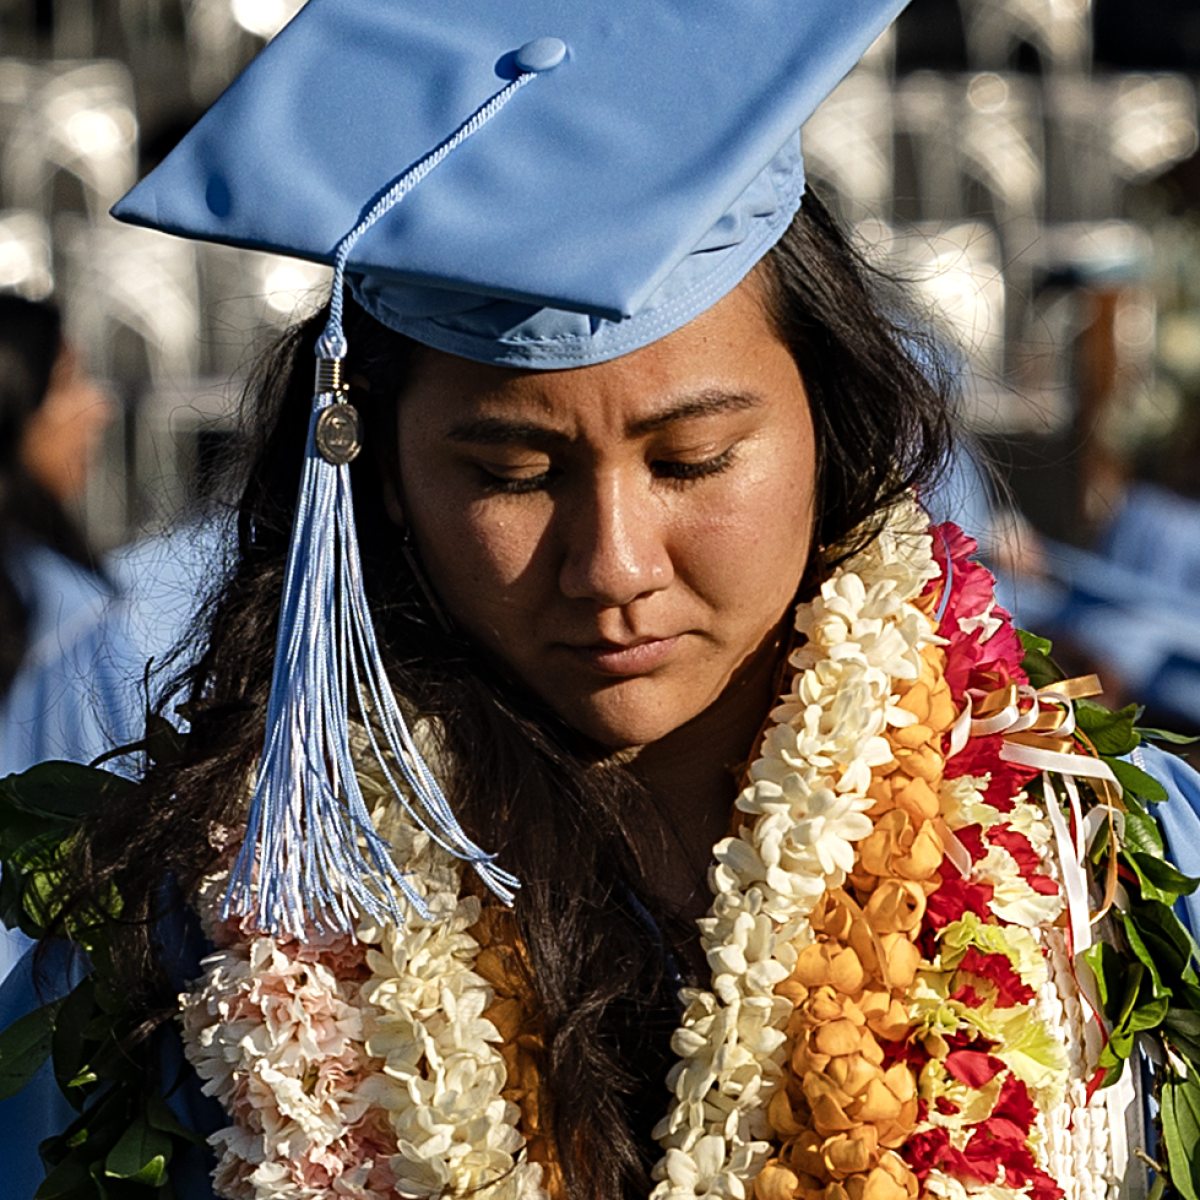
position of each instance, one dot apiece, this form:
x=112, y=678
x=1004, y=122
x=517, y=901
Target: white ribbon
x=1075, y=885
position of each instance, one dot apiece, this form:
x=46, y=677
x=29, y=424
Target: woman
x=64, y=691
x=58, y=695
x=584, y=584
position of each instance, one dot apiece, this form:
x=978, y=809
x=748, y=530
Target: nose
x=615, y=547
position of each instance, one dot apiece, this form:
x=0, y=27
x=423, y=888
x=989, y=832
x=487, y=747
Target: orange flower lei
x=843, y=1111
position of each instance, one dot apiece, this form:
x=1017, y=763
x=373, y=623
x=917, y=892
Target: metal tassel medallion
x=338, y=432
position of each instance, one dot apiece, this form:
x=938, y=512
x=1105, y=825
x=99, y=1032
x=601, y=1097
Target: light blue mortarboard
x=525, y=182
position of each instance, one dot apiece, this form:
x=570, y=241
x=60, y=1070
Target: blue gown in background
x=72, y=696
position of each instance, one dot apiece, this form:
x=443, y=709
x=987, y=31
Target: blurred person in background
x=61, y=693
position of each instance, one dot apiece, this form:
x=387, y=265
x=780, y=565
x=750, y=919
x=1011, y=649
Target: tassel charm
x=338, y=432
x=312, y=858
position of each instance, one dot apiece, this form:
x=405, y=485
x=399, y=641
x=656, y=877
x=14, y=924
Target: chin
x=627, y=715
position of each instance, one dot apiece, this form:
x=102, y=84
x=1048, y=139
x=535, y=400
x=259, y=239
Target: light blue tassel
x=311, y=858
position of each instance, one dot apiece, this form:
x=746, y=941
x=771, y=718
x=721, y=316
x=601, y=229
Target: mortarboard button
x=542, y=54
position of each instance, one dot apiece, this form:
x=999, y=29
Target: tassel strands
x=311, y=857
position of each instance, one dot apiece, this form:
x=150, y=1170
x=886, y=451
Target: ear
x=386, y=458
x=391, y=502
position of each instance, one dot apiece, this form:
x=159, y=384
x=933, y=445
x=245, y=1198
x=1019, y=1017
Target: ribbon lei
x=311, y=857
x=1039, y=731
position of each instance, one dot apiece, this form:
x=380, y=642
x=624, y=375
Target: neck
x=693, y=773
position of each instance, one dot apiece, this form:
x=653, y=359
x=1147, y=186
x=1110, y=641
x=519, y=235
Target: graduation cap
x=535, y=183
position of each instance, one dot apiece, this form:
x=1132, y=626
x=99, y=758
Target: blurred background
x=1030, y=167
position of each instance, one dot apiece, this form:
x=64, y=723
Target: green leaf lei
x=121, y=1144
x=1146, y=970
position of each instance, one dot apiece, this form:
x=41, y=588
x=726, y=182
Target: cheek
x=751, y=548
x=481, y=558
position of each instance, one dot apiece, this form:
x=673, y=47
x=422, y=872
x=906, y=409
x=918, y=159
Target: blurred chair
x=927, y=109
x=26, y=265
x=217, y=46
x=954, y=272
x=1104, y=134
x=963, y=136
x=19, y=80
x=223, y=35
x=77, y=120
x=248, y=297
x=1059, y=30
x=848, y=146
x=130, y=283
x=1000, y=144
x=1153, y=122
x=881, y=54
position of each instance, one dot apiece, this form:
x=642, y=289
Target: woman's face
x=61, y=437
x=625, y=537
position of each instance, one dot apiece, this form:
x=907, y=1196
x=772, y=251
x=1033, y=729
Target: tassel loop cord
x=312, y=857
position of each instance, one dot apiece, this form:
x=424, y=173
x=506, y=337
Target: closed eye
x=676, y=472
x=682, y=471
x=495, y=482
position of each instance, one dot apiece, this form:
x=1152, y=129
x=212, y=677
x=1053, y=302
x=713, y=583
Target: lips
x=626, y=659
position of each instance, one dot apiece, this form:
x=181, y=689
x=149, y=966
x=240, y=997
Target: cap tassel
x=311, y=855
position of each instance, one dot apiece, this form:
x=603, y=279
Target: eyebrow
x=711, y=403
x=500, y=431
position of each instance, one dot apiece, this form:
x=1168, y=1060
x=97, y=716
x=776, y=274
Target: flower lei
x=893, y=1012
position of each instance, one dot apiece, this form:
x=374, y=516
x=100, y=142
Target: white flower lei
x=363, y=1083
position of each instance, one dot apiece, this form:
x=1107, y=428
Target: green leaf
x=1149, y=1015
x=24, y=1046
x=63, y=791
x=1180, y=1111
x=1143, y=952
x=23, y=832
x=1037, y=663
x=1142, y=833
x=1112, y=733
x=1135, y=781
x=1031, y=642
x=1041, y=669
x=1139, y=1010
x=141, y=1155
x=1159, y=880
x=70, y=1180
x=1162, y=942
x=160, y=1116
x=1183, y=1028
x=1165, y=735
x=1109, y=968
x=68, y=1042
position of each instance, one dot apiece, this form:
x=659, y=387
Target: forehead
x=731, y=349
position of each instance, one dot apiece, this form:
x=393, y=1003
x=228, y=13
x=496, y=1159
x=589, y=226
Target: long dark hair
x=576, y=833
x=30, y=345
